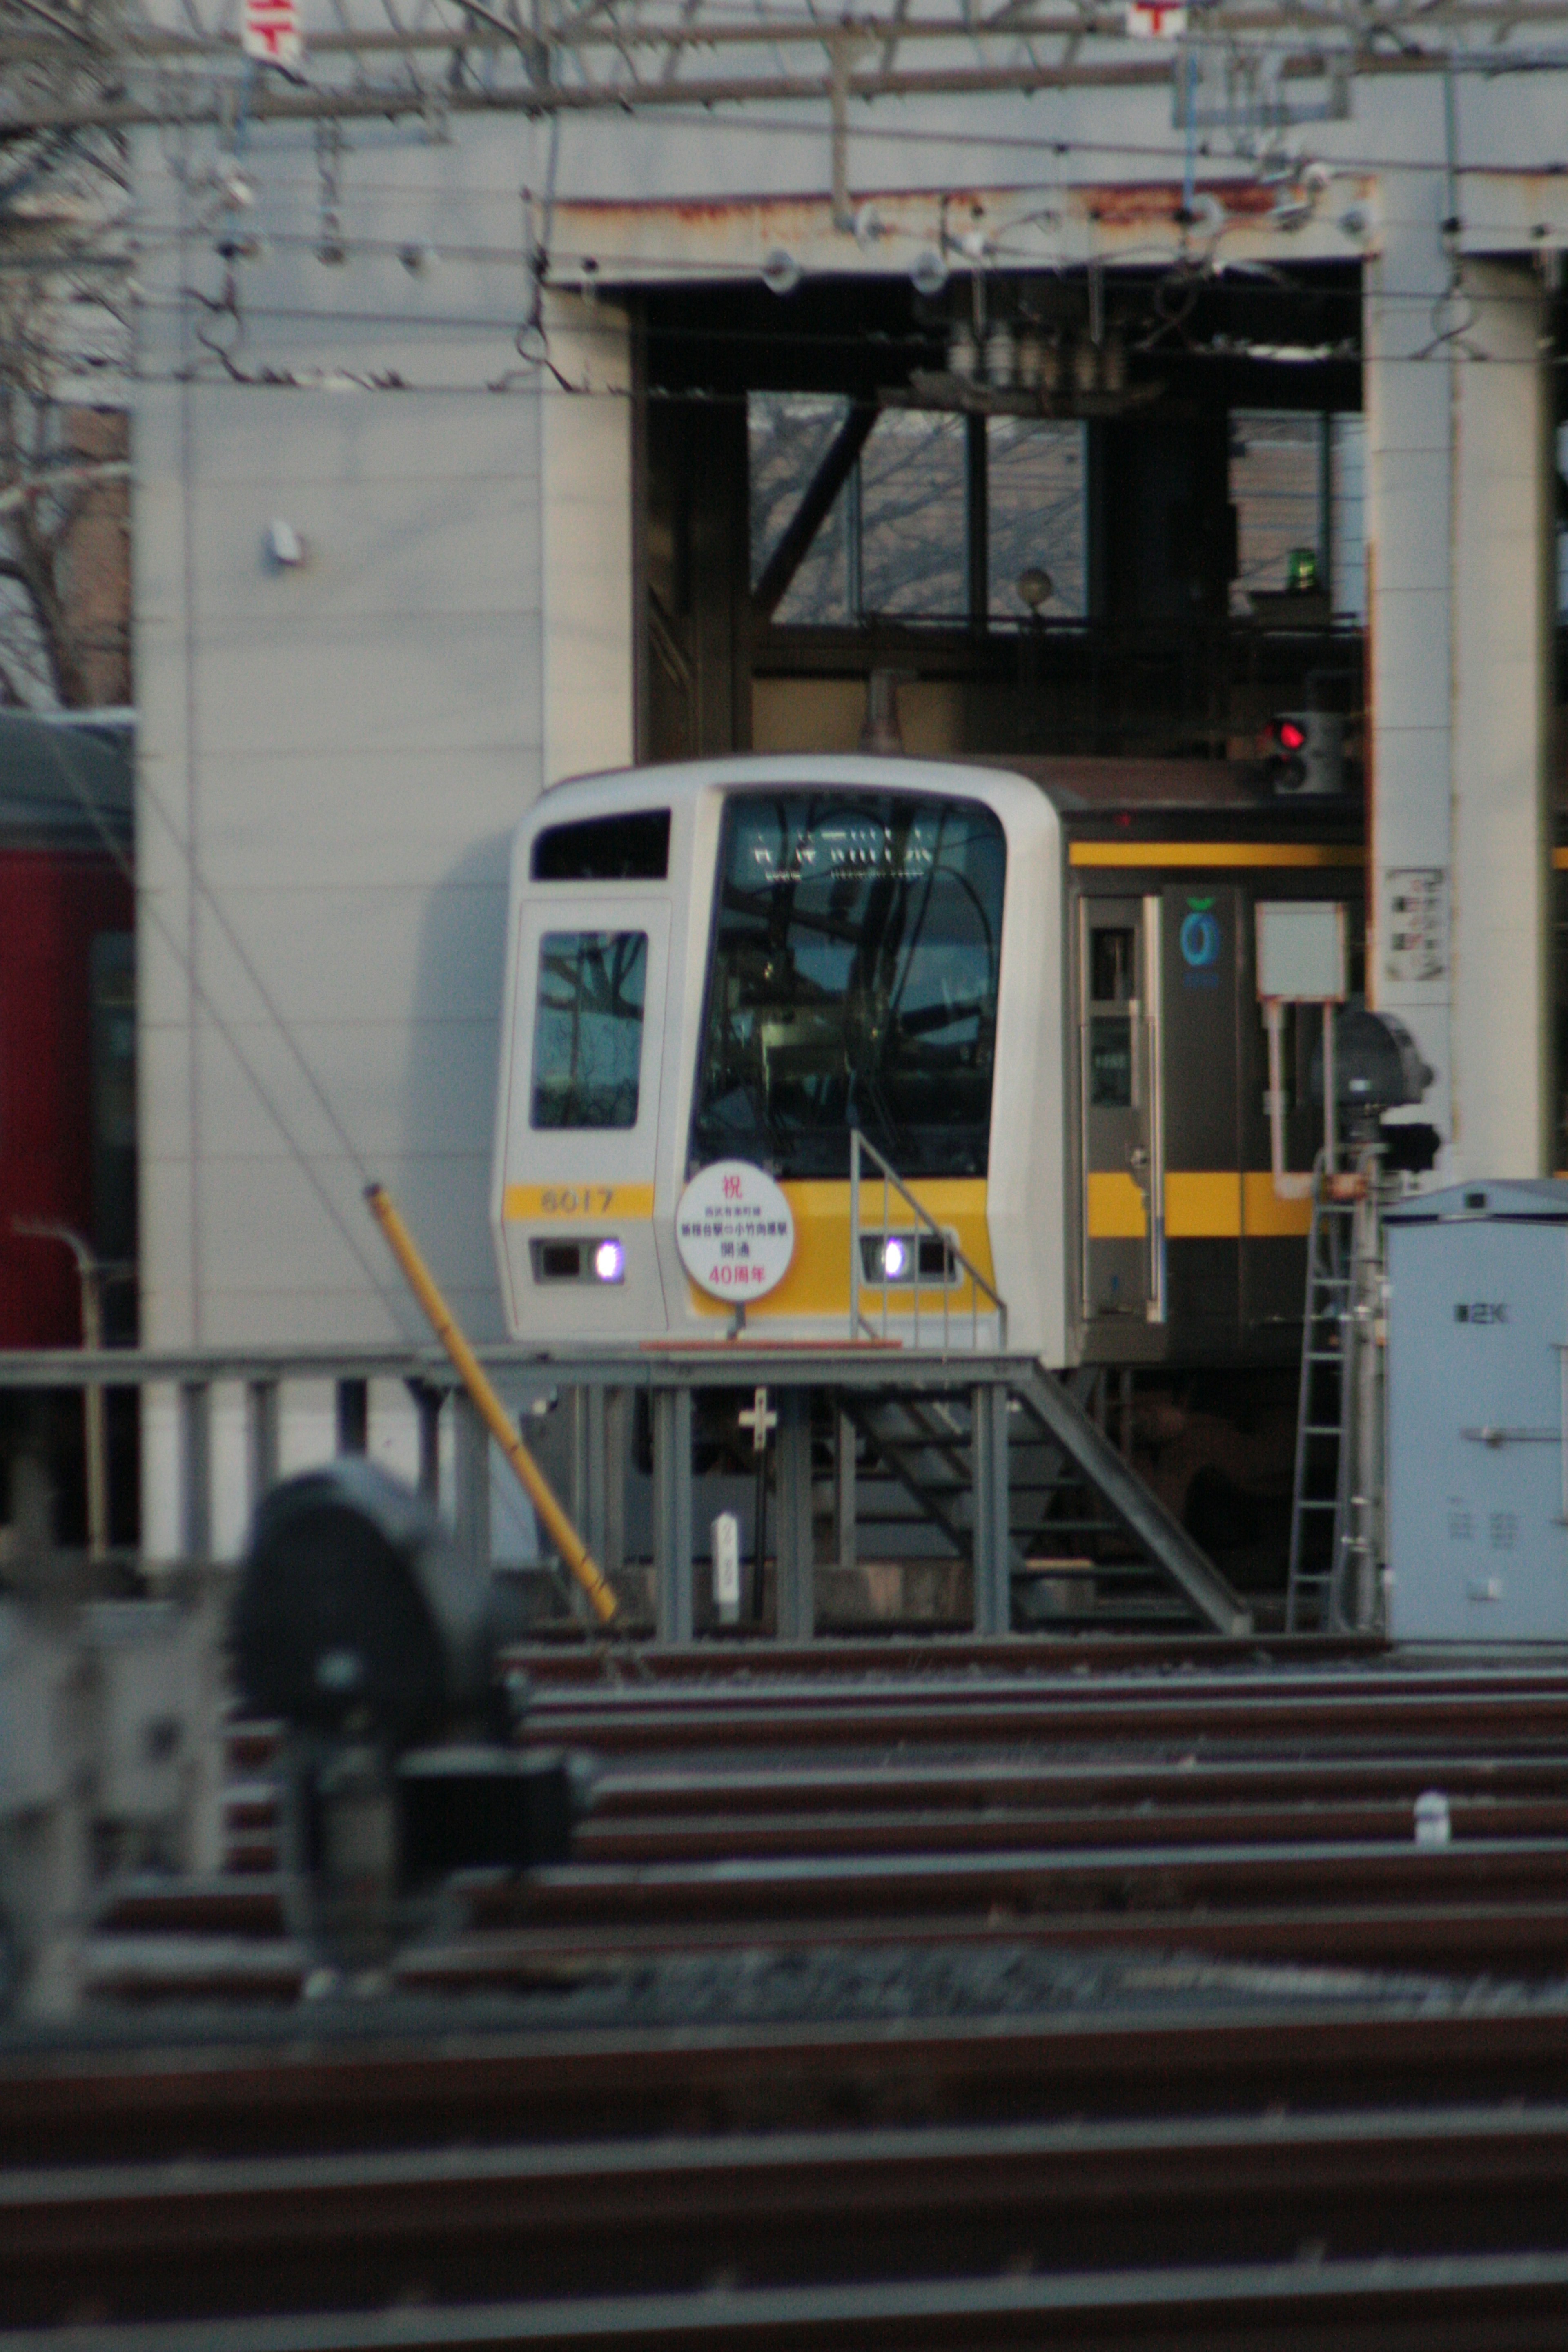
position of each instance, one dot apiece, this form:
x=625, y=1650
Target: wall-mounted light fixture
x=285, y=547
x=781, y=271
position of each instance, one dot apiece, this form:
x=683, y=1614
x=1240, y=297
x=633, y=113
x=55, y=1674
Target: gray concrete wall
x=332, y=757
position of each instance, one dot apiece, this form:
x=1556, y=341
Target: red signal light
x=1292, y=738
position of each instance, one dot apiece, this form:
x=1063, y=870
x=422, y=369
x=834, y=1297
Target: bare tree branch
x=64, y=585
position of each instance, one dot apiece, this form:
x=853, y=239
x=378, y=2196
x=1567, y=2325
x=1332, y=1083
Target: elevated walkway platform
x=983, y=1474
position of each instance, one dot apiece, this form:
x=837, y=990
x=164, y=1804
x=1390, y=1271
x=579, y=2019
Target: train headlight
x=895, y=1258
x=610, y=1261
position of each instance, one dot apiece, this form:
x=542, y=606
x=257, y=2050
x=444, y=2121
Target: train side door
x=1121, y=1202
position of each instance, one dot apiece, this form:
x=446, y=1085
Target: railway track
x=1199, y=1801
x=925, y=2001
x=378, y=2185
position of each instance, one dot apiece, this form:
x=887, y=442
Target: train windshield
x=855, y=958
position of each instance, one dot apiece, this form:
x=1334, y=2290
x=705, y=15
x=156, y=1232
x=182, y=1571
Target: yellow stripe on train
x=1216, y=852
x=1201, y=1205
x=818, y=1282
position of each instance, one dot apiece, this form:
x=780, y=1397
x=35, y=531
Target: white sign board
x=1417, y=931
x=735, y=1231
x=273, y=31
x=1301, y=951
x=727, y=1567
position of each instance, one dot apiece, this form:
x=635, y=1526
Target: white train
x=744, y=958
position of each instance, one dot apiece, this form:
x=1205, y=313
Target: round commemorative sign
x=735, y=1231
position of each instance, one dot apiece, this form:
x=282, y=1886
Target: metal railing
x=891, y=1279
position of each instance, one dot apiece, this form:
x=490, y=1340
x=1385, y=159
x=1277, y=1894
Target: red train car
x=66, y=1021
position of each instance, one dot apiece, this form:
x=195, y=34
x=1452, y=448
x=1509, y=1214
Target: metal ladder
x=1320, y=1488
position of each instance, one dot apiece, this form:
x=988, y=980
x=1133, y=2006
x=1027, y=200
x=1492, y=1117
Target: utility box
x=1478, y=1459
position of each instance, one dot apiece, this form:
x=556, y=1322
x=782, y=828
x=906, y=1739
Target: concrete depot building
x=533, y=512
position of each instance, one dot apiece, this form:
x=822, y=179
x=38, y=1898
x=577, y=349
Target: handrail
x=924, y=1221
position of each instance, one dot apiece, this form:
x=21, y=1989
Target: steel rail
x=714, y=1837
x=1438, y=2304
x=1513, y=1942
x=1370, y=1685
x=1025, y=1885
x=394, y=2072
x=1019, y=1881
x=572, y=1663
x=175, y=2238
x=973, y=1792
x=710, y=1838
x=1212, y=1720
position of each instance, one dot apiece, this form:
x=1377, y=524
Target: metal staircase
x=1087, y=1541
x=997, y=1458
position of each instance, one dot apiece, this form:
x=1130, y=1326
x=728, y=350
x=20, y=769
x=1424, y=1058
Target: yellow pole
x=492, y=1411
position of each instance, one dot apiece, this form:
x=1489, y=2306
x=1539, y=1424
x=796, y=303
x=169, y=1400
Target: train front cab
x=1181, y=1250
x=744, y=958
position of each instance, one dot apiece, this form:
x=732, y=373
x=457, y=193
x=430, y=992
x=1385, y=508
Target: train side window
x=587, y=1030
x=1111, y=967
x=633, y=848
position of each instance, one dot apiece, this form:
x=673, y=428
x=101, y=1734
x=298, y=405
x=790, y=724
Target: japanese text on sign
x=735, y=1231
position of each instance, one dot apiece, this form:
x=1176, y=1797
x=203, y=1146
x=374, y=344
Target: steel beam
x=472, y=1479
x=261, y=1433
x=809, y=516
x=1504, y=609
x=843, y=1492
x=792, y=1519
x=993, y=1532
x=195, y=1469
x=672, y=1513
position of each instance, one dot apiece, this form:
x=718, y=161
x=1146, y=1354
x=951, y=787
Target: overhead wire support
x=622, y=59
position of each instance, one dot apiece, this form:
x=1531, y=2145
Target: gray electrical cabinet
x=1478, y=1471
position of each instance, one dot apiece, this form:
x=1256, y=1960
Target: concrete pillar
x=587, y=479
x=1503, y=609
x=672, y=1513
x=1408, y=537
x=1458, y=544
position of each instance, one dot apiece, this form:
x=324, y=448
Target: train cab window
x=634, y=848
x=588, y=1031
x=853, y=981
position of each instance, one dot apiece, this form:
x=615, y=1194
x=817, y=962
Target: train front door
x=1122, y=1201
